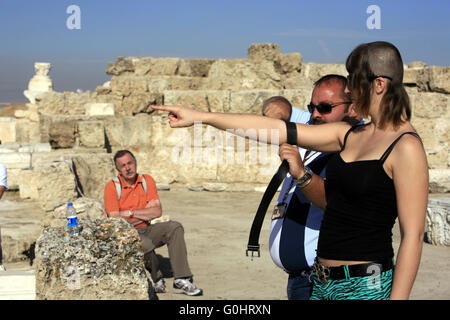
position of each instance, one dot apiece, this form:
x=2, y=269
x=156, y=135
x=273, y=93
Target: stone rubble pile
x=104, y=262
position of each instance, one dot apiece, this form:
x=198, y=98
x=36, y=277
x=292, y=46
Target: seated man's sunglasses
x=325, y=107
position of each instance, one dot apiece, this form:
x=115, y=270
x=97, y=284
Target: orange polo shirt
x=133, y=197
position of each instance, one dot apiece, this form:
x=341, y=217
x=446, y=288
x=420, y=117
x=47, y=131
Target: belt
x=300, y=273
x=325, y=273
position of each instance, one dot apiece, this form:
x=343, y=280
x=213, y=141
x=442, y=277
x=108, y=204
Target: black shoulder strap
x=389, y=149
x=253, y=241
x=348, y=132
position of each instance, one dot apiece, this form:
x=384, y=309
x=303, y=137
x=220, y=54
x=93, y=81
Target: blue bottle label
x=72, y=221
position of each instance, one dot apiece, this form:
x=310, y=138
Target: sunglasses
x=325, y=107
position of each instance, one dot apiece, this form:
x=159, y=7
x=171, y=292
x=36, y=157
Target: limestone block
x=139, y=103
x=429, y=105
x=94, y=171
x=240, y=74
x=204, y=100
x=250, y=101
x=165, y=136
x=28, y=185
x=410, y=75
x=104, y=262
x=99, y=109
x=289, y=63
x=264, y=51
x=295, y=81
x=438, y=159
x=156, y=66
x=16, y=160
x=434, y=78
x=42, y=147
x=443, y=131
x=157, y=162
x=437, y=226
x=197, y=170
x=439, y=180
x=9, y=147
x=315, y=71
x=256, y=163
x=14, y=178
x=426, y=129
x=75, y=102
x=121, y=66
x=67, y=103
x=91, y=133
x=214, y=187
x=416, y=65
x=194, y=67
x=7, y=129
x=62, y=134
x=138, y=131
x=125, y=85
x=51, y=103
x=56, y=184
x=299, y=98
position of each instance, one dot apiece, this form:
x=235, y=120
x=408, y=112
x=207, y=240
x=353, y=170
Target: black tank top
x=361, y=209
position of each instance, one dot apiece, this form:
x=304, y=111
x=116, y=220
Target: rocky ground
x=216, y=231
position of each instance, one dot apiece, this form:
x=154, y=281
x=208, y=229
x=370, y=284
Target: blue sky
x=322, y=31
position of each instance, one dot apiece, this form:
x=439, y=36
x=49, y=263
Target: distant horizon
x=80, y=37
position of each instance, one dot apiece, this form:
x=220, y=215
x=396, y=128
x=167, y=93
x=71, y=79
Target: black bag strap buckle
x=253, y=249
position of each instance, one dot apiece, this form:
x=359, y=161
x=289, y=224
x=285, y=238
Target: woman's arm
x=410, y=175
x=315, y=190
x=325, y=137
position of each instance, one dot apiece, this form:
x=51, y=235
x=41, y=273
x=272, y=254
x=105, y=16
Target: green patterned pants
x=374, y=287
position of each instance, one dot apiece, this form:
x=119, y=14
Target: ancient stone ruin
x=60, y=148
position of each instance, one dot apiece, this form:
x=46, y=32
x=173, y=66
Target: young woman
x=379, y=173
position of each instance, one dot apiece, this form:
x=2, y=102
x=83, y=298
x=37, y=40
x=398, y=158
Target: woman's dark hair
x=120, y=154
x=378, y=59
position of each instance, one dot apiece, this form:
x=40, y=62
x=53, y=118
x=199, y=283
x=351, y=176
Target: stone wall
x=91, y=126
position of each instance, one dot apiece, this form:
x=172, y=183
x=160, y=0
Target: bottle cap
x=70, y=204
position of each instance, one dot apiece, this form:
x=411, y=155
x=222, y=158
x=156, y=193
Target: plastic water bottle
x=71, y=215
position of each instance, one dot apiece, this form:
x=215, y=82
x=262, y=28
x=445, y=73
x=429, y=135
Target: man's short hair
x=330, y=79
x=276, y=99
x=121, y=153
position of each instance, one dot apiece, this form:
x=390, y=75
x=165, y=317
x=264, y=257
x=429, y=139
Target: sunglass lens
x=324, y=107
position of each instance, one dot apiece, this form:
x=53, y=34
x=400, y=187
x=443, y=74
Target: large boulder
x=86, y=208
x=264, y=51
x=434, y=78
x=104, y=262
x=437, y=226
x=56, y=184
x=93, y=171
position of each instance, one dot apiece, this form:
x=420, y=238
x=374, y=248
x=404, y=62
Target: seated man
x=127, y=197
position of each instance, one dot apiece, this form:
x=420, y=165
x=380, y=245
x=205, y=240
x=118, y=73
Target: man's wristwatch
x=306, y=178
x=131, y=213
